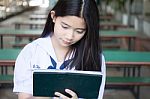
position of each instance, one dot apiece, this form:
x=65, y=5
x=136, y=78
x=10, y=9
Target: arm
x=23, y=74
x=61, y=96
x=22, y=95
x=103, y=70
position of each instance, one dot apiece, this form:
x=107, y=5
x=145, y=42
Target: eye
x=64, y=26
x=80, y=31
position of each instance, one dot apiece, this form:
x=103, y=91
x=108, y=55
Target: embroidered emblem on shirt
x=36, y=66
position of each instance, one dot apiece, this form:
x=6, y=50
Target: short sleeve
x=103, y=70
x=23, y=71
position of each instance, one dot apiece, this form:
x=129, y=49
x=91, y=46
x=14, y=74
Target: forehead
x=73, y=21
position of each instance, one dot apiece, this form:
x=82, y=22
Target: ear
x=53, y=16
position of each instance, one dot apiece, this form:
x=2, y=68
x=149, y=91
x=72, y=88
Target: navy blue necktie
x=65, y=63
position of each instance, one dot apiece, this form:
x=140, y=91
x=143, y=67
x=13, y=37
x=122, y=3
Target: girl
x=70, y=41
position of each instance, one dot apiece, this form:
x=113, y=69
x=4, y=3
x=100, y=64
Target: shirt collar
x=46, y=44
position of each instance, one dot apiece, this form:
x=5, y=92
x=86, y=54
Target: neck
x=60, y=51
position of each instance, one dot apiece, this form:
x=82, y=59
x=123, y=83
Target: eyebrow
x=71, y=26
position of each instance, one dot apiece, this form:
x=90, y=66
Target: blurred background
x=125, y=33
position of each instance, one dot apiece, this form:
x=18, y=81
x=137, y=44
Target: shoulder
x=103, y=58
x=103, y=64
x=30, y=48
x=34, y=44
x=42, y=44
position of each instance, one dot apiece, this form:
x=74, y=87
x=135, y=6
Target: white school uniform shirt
x=36, y=55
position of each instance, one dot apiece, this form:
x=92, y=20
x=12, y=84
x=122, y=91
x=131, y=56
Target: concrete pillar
x=146, y=7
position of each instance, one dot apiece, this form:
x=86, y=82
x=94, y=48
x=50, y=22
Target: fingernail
x=66, y=89
x=55, y=93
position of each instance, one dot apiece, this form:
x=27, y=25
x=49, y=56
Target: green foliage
x=119, y=4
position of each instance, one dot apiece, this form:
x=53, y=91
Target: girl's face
x=68, y=30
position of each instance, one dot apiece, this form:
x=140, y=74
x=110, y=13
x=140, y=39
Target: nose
x=70, y=36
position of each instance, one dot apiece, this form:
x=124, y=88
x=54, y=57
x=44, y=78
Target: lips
x=67, y=42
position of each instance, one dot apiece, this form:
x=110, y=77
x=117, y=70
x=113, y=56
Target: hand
x=61, y=96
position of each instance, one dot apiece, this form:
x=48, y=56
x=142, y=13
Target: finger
x=61, y=95
x=56, y=98
x=72, y=93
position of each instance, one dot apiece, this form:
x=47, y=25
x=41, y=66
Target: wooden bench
x=106, y=18
x=110, y=81
x=31, y=24
x=131, y=83
x=132, y=62
x=127, y=38
x=123, y=59
x=20, y=44
x=142, y=43
x=6, y=79
x=112, y=26
x=19, y=33
x=37, y=17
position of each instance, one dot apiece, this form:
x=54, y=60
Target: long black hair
x=87, y=51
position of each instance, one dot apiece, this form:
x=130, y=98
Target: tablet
x=85, y=84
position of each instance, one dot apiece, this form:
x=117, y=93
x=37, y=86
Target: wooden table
x=111, y=25
x=106, y=18
x=8, y=56
x=131, y=61
x=113, y=58
x=19, y=33
x=128, y=36
x=121, y=58
x=41, y=12
x=127, y=58
x=32, y=24
x=37, y=17
x=7, y=59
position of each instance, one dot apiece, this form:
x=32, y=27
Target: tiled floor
x=6, y=93
x=118, y=94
